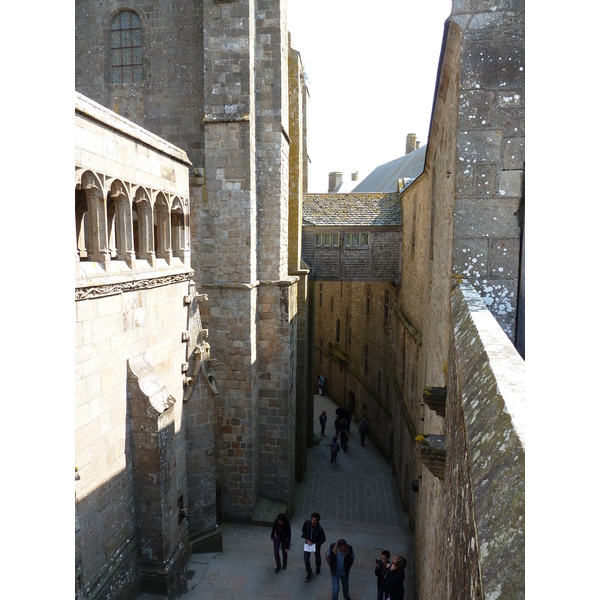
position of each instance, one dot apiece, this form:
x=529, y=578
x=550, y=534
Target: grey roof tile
x=351, y=210
x=384, y=178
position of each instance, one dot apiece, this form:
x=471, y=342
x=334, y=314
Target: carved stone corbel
x=431, y=451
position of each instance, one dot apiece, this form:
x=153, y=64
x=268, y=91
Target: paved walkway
x=357, y=500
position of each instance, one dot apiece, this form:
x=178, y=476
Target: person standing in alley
x=314, y=538
x=322, y=382
x=394, y=578
x=363, y=427
x=281, y=535
x=323, y=421
x=381, y=566
x=340, y=558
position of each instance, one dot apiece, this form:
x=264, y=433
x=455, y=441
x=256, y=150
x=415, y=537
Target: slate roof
x=351, y=210
x=384, y=178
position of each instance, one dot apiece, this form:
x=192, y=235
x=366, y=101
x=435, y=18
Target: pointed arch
x=162, y=228
x=144, y=226
x=121, y=227
x=179, y=229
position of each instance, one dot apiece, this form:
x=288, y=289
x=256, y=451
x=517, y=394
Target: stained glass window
x=126, y=48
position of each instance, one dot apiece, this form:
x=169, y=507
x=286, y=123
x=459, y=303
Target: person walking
x=381, y=567
x=322, y=382
x=344, y=438
x=363, y=427
x=394, y=578
x=334, y=448
x=340, y=557
x=281, y=535
x=314, y=538
x=323, y=421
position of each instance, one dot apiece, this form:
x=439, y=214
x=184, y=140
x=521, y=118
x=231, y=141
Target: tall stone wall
x=426, y=279
x=169, y=102
x=297, y=170
x=215, y=80
x=136, y=506
x=490, y=159
x=359, y=363
x=110, y=331
x=461, y=215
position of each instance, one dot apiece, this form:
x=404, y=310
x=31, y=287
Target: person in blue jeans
x=340, y=558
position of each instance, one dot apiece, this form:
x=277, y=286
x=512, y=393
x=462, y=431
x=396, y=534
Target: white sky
x=371, y=69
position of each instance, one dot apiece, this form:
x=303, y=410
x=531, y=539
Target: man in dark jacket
x=340, y=558
x=381, y=567
x=314, y=537
x=281, y=534
x=363, y=427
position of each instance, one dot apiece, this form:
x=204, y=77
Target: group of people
x=339, y=557
x=390, y=576
x=342, y=431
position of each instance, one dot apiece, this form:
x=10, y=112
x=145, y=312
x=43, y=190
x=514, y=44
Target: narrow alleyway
x=357, y=500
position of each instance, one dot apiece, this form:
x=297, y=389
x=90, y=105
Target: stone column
x=278, y=291
x=224, y=245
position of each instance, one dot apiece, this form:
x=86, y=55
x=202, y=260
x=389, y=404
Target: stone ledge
x=431, y=451
x=435, y=399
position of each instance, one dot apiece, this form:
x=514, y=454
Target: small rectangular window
x=356, y=239
x=364, y=239
x=318, y=238
x=335, y=239
x=347, y=239
x=327, y=239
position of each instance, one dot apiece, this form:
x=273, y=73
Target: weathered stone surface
x=490, y=389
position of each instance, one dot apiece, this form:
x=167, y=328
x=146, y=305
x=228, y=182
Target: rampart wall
x=484, y=522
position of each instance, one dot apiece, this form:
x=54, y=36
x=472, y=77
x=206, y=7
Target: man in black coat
x=314, y=537
x=340, y=558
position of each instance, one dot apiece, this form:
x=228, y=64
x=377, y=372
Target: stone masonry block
x=484, y=181
x=479, y=147
x=471, y=258
x=492, y=66
x=474, y=108
x=494, y=218
x=513, y=153
x=511, y=184
x=504, y=258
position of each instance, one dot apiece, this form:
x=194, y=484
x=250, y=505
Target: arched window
x=126, y=48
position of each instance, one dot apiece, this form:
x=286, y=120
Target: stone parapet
x=485, y=472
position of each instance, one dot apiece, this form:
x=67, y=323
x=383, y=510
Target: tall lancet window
x=126, y=48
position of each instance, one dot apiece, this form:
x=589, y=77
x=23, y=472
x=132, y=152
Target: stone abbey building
x=200, y=329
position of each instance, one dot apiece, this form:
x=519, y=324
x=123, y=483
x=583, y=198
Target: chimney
x=418, y=145
x=411, y=142
x=355, y=176
x=335, y=180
